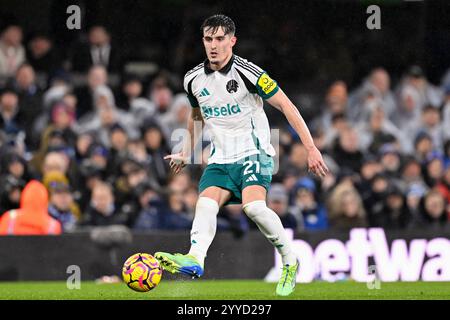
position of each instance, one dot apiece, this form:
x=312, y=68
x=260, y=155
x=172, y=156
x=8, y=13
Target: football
x=141, y=272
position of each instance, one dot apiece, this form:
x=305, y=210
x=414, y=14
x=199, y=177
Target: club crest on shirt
x=232, y=86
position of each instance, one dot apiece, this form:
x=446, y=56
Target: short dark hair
x=219, y=20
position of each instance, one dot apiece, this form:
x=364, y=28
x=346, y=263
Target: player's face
x=218, y=45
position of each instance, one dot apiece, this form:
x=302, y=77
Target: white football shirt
x=231, y=103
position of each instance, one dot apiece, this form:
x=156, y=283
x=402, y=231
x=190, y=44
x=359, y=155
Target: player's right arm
x=179, y=160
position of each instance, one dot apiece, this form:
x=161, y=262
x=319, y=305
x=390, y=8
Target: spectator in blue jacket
x=306, y=207
x=151, y=209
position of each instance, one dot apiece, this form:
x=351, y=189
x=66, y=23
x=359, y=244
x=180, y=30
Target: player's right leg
x=202, y=234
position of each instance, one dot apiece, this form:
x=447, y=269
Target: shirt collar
x=226, y=68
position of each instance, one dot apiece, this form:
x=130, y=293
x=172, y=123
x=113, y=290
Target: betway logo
x=227, y=110
x=332, y=259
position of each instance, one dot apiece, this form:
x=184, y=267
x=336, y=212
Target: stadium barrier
x=362, y=254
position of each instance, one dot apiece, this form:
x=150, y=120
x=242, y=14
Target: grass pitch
x=223, y=290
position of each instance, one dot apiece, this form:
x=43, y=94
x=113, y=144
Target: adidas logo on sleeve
x=204, y=93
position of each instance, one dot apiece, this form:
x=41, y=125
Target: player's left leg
x=254, y=205
x=214, y=192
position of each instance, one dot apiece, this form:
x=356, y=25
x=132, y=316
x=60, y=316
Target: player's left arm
x=268, y=89
x=315, y=161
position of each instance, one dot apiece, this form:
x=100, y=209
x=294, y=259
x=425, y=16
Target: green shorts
x=252, y=170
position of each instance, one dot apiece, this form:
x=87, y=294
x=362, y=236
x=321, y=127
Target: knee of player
x=208, y=203
x=255, y=208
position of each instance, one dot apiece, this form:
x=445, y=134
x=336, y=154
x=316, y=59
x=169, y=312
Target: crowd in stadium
x=95, y=137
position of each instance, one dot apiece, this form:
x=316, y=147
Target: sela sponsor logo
x=402, y=260
x=266, y=83
x=209, y=112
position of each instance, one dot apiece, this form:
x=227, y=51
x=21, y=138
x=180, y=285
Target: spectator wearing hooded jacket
x=32, y=217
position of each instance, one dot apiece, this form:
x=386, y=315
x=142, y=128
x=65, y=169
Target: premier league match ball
x=141, y=272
